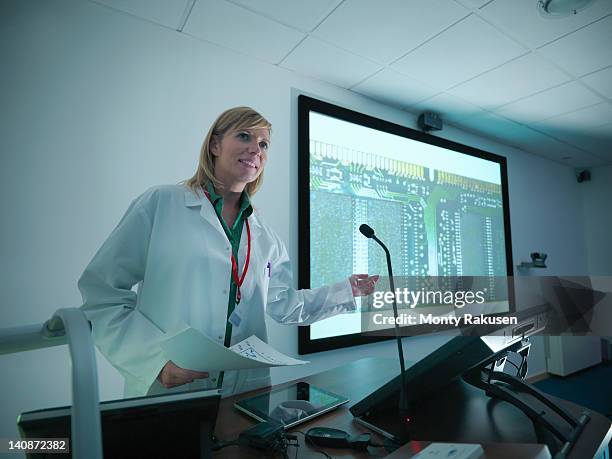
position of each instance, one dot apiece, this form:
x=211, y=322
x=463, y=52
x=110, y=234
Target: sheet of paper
x=191, y=349
x=254, y=348
x=451, y=451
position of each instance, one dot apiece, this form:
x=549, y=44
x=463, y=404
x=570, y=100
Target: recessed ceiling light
x=562, y=8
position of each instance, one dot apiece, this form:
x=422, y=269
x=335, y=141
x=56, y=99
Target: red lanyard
x=239, y=280
x=245, y=268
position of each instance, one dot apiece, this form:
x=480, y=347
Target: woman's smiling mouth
x=248, y=163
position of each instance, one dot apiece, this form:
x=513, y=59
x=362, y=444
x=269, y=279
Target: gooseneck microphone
x=404, y=409
x=368, y=232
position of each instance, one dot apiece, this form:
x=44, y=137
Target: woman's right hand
x=172, y=375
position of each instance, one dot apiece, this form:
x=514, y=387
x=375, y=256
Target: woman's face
x=240, y=156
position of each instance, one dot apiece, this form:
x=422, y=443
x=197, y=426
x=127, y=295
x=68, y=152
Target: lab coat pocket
x=257, y=278
x=266, y=277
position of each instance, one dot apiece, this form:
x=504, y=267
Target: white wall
x=97, y=106
x=597, y=205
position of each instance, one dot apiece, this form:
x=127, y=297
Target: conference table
x=469, y=417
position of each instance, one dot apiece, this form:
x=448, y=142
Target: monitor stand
x=471, y=409
x=547, y=417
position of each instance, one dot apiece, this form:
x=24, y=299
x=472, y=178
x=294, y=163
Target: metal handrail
x=68, y=326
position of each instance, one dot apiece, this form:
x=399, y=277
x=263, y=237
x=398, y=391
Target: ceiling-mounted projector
x=562, y=8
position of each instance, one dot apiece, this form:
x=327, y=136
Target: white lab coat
x=171, y=243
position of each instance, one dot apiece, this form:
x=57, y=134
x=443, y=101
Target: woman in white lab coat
x=201, y=256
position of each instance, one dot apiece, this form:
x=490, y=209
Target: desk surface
x=358, y=379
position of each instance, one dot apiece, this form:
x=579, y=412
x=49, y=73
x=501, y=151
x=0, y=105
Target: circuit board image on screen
x=440, y=212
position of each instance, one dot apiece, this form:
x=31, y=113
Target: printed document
x=191, y=349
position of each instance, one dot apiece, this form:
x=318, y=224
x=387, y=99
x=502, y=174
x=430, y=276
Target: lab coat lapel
x=207, y=211
x=255, y=225
x=256, y=230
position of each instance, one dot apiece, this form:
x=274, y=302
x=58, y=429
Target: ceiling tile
x=459, y=53
x=599, y=142
x=328, y=63
x=296, y=13
x=516, y=79
x=234, y=27
x=548, y=147
x=473, y=3
x=582, y=160
x=450, y=108
x=395, y=89
x=576, y=129
x=585, y=119
x=165, y=12
x=529, y=140
x=493, y=126
x=387, y=29
x=521, y=19
x=583, y=51
x=552, y=102
x=600, y=81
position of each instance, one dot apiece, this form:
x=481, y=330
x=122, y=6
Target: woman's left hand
x=362, y=284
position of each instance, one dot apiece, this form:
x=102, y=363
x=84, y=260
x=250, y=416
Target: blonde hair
x=233, y=119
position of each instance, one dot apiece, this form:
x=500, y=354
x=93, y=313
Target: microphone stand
x=404, y=408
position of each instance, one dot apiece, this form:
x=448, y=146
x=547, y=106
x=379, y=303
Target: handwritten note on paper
x=254, y=348
x=189, y=348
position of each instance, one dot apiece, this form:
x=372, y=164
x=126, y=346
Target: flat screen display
x=440, y=207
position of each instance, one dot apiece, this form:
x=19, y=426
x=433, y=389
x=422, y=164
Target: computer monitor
x=428, y=378
x=174, y=425
x=441, y=207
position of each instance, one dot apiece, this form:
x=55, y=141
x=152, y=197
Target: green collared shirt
x=233, y=235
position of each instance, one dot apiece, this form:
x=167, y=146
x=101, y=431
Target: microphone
x=367, y=231
x=404, y=409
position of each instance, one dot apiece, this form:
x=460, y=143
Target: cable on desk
x=314, y=447
x=266, y=437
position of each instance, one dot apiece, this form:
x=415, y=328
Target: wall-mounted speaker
x=429, y=121
x=583, y=176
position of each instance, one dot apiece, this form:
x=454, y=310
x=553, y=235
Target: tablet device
x=291, y=405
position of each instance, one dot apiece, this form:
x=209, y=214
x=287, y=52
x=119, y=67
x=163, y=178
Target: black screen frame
x=307, y=104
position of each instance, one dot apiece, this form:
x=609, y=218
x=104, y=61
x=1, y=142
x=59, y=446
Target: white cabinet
x=568, y=354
